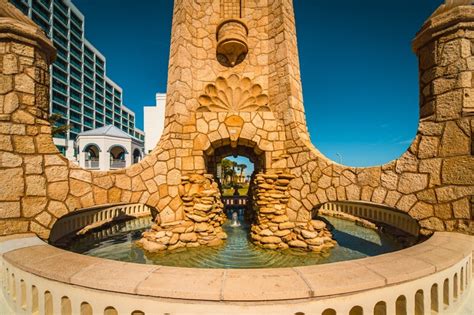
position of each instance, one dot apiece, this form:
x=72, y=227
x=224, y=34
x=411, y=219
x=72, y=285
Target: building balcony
x=116, y=164
x=92, y=164
x=59, y=6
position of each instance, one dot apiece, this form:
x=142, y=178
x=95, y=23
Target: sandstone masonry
x=252, y=105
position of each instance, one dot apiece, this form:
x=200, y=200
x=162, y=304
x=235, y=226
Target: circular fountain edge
x=45, y=266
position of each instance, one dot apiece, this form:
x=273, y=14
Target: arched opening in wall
x=86, y=309
x=446, y=293
x=233, y=167
x=468, y=273
x=462, y=280
x=91, y=156
x=5, y=278
x=455, y=286
x=66, y=308
x=380, y=308
x=346, y=133
x=137, y=156
x=13, y=287
x=138, y=313
x=118, y=157
x=434, y=299
x=34, y=300
x=23, y=294
x=401, y=305
x=110, y=311
x=356, y=310
x=48, y=303
x=329, y=311
x=419, y=303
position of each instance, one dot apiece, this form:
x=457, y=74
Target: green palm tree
x=56, y=128
x=242, y=167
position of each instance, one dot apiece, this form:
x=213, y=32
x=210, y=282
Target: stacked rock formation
x=204, y=216
x=273, y=228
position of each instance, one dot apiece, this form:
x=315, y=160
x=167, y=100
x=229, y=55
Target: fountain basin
x=237, y=252
x=443, y=260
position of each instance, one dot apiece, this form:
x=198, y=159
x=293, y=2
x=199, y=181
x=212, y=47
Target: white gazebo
x=107, y=148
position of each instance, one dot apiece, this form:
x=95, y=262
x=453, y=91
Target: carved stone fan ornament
x=233, y=95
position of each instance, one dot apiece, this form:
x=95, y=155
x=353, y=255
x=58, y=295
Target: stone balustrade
x=433, y=277
x=80, y=219
x=376, y=213
x=231, y=202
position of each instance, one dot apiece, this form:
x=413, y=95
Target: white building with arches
x=107, y=148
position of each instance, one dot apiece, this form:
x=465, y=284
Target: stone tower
x=234, y=87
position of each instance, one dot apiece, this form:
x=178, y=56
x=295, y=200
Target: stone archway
x=258, y=99
x=223, y=148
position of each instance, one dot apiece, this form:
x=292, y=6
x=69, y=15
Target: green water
x=117, y=243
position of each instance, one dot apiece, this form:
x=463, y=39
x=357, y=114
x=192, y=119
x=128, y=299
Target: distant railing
x=234, y=201
x=92, y=164
x=377, y=213
x=117, y=163
x=79, y=219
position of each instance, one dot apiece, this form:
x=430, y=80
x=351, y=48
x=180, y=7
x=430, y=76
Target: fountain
x=237, y=91
x=235, y=219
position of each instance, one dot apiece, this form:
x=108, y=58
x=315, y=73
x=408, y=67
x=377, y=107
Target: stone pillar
x=25, y=134
x=128, y=158
x=104, y=160
x=445, y=48
x=82, y=159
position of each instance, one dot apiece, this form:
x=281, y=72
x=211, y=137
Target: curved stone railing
x=433, y=277
x=76, y=221
x=377, y=213
x=122, y=227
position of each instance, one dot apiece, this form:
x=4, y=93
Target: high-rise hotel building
x=80, y=90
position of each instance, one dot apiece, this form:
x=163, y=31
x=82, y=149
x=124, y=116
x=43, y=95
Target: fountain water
x=235, y=219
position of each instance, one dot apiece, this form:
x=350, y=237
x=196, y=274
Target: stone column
x=25, y=134
x=445, y=47
x=82, y=159
x=128, y=158
x=104, y=160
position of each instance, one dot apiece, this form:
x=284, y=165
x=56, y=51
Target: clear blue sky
x=360, y=77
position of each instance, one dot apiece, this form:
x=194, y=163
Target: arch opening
x=117, y=157
x=401, y=305
x=446, y=293
x=23, y=294
x=34, y=300
x=434, y=299
x=329, y=311
x=48, y=303
x=455, y=286
x=110, y=311
x=234, y=167
x=380, y=308
x=86, y=309
x=92, y=155
x=419, y=303
x=137, y=156
x=66, y=308
x=356, y=310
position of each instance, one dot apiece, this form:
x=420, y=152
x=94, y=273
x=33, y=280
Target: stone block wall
x=432, y=182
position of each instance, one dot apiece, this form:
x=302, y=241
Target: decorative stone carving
x=233, y=94
x=434, y=170
x=234, y=126
x=232, y=45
